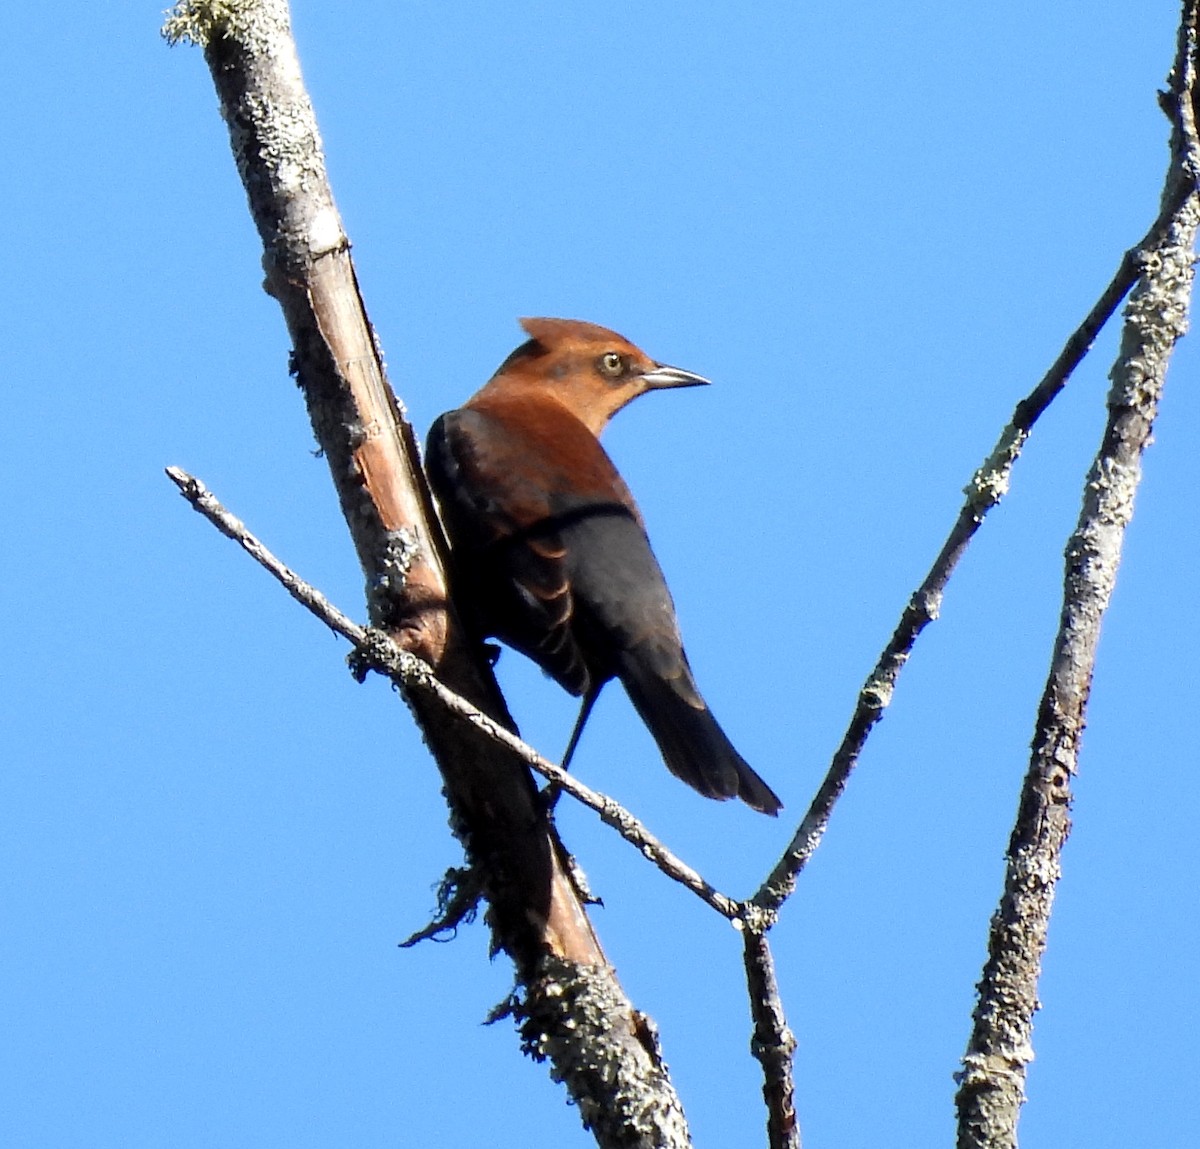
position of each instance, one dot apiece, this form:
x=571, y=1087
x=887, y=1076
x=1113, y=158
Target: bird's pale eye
x=612, y=364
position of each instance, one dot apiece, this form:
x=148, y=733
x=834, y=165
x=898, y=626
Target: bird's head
x=591, y=371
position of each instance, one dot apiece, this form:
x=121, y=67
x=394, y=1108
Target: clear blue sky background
x=873, y=226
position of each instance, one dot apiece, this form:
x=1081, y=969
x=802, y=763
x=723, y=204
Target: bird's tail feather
x=693, y=745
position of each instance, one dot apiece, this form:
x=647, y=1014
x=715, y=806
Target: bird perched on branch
x=549, y=552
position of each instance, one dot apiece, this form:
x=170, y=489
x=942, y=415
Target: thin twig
x=374, y=650
x=987, y=487
x=773, y=1042
x=232, y=527
x=992, y=1080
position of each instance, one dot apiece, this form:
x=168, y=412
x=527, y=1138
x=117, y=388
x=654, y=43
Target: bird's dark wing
x=624, y=609
x=622, y=604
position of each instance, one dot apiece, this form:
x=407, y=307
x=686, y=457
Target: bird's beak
x=664, y=376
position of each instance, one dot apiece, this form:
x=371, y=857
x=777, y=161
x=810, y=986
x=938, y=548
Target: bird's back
x=516, y=486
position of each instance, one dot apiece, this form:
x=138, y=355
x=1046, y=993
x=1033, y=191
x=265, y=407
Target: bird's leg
x=585, y=710
x=552, y=791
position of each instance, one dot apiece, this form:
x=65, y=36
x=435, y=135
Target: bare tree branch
x=534, y=910
x=375, y=650
x=992, y=1081
x=987, y=487
x=773, y=1043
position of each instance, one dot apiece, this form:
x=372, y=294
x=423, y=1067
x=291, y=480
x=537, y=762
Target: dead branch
x=992, y=1080
x=375, y=650
x=987, y=487
x=534, y=911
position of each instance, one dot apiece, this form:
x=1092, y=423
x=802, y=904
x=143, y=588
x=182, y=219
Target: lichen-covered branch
x=991, y=1088
x=534, y=912
x=987, y=487
x=589, y=1060
x=375, y=650
x=773, y=1043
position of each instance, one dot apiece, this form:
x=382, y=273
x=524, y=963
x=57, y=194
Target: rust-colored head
x=591, y=371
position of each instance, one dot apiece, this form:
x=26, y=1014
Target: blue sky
x=872, y=227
